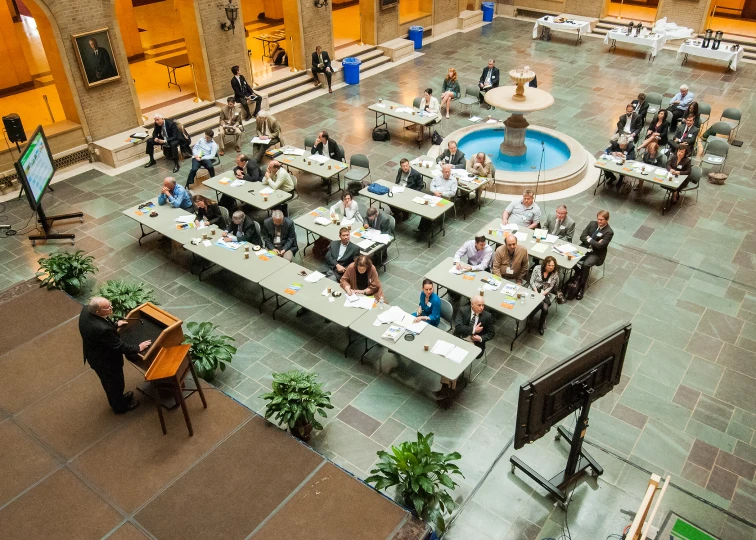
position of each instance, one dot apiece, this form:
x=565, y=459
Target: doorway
x=632, y=10
x=733, y=17
x=346, y=24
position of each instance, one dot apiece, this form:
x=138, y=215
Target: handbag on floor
x=381, y=134
x=437, y=138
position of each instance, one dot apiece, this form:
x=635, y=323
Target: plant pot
x=206, y=374
x=302, y=432
x=71, y=290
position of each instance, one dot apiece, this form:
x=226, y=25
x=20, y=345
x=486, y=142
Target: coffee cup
x=265, y=198
x=490, y=231
x=538, y=239
x=380, y=100
x=328, y=290
x=246, y=248
x=212, y=231
x=569, y=256
x=204, y=236
x=425, y=201
x=329, y=167
x=246, y=254
x=426, y=347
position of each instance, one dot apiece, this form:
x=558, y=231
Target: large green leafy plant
x=209, y=350
x=125, y=296
x=66, y=270
x=295, y=399
x=420, y=475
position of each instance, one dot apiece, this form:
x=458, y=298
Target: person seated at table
x=686, y=133
x=267, y=129
x=443, y=185
x=621, y=148
x=206, y=211
x=524, y=213
x=325, y=146
x=247, y=169
x=480, y=165
x=280, y=235
x=340, y=254
x=347, y=208
x=475, y=324
x=679, y=106
x=175, y=195
x=203, y=155
x=596, y=236
x=657, y=131
x=361, y=278
x=511, y=260
x=278, y=177
x=477, y=252
x=488, y=79
x=241, y=229
x=429, y=309
x=165, y=133
x=543, y=280
x=243, y=93
x=640, y=106
x=377, y=220
x=230, y=124
x=679, y=164
x=652, y=157
x=560, y=224
x=408, y=177
x=693, y=110
x=429, y=104
x=453, y=156
x=450, y=89
x=321, y=63
x=629, y=124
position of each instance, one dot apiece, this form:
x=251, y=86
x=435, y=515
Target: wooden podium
x=150, y=322
x=167, y=372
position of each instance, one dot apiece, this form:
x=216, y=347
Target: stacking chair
x=718, y=129
x=416, y=102
x=359, y=168
x=394, y=241
x=704, y=113
x=470, y=97
x=731, y=116
x=694, y=182
x=224, y=215
x=445, y=324
x=295, y=192
x=654, y=104
x=716, y=153
x=309, y=142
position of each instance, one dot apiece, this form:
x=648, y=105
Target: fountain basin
x=557, y=153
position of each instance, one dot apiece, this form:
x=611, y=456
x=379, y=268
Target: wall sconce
x=232, y=14
x=321, y=3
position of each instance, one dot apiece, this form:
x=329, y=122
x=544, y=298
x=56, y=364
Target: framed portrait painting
x=96, y=60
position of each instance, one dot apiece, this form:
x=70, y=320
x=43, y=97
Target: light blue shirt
x=684, y=101
x=180, y=198
x=478, y=260
x=208, y=149
x=447, y=188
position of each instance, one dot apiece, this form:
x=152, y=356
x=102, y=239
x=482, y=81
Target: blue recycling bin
x=416, y=35
x=488, y=11
x=351, y=70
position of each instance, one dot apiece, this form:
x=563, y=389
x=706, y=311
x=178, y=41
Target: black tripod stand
x=47, y=222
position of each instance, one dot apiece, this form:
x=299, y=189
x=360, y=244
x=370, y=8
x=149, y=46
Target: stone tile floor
x=686, y=404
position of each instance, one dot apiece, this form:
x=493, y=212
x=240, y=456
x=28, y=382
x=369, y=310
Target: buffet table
x=651, y=41
x=692, y=47
x=564, y=25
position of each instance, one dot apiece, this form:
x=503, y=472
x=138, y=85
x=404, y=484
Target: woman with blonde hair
x=450, y=89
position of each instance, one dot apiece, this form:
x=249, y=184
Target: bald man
x=475, y=324
x=104, y=350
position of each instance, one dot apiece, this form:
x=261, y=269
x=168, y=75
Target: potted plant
x=295, y=399
x=66, y=271
x=125, y=296
x=420, y=476
x=209, y=350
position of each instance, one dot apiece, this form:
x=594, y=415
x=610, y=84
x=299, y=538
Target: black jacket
x=381, y=223
x=288, y=235
x=170, y=129
x=643, y=110
x=333, y=150
x=690, y=137
x=662, y=130
x=212, y=213
x=332, y=256
x=494, y=77
x=252, y=172
x=414, y=180
x=458, y=162
x=629, y=150
x=463, y=329
x=326, y=60
x=241, y=90
x=598, y=244
x=102, y=346
x=249, y=232
x=636, y=124
x=103, y=66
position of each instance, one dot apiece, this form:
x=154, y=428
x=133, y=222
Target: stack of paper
x=319, y=158
x=258, y=140
x=322, y=221
x=509, y=227
x=418, y=200
x=432, y=199
x=365, y=244
x=404, y=110
x=185, y=219
x=454, y=270
x=449, y=350
x=540, y=233
x=510, y=289
x=391, y=315
x=346, y=222
x=237, y=183
x=228, y=245
x=492, y=285
x=408, y=322
x=314, y=277
x=551, y=238
x=521, y=236
x=540, y=248
x=224, y=181
x=266, y=191
x=358, y=301
x=393, y=333
x=397, y=189
x=290, y=151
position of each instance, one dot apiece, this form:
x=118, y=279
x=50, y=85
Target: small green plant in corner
x=66, y=271
x=295, y=399
x=125, y=296
x=420, y=475
x=209, y=350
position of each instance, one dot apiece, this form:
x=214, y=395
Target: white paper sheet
x=475, y=119
x=393, y=314
x=258, y=140
x=397, y=189
x=319, y=158
x=365, y=244
x=346, y=222
x=207, y=243
x=551, y=238
x=521, y=236
x=457, y=355
x=185, y=219
x=266, y=191
x=408, y=321
x=237, y=183
x=540, y=248
x=418, y=200
x=453, y=270
x=381, y=105
x=383, y=238
x=314, y=277
x=432, y=199
x=491, y=121
x=364, y=302
x=294, y=151
x=508, y=227
x=140, y=135
x=320, y=220
x=442, y=348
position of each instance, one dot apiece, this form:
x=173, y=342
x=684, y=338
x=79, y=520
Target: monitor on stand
x=35, y=169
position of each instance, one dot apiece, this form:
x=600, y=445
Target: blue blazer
x=433, y=311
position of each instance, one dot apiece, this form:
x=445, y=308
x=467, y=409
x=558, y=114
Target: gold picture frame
x=94, y=51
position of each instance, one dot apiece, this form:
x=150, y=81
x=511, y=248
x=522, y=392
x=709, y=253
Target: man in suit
x=104, y=350
x=266, y=128
x=377, y=220
x=629, y=124
x=621, y=148
x=596, y=236
x=280, y=236
x=475, y=324
x=325, y=146
x=488, y=79
x=103, y=66
x=408, y=177
x=686, y=133
x=164, y=134
x=640, y=106
x=247, y=169
x=230, y=124
x=340, y=254
x=243, y=93
x=321, y=63
x=452, y=156
x=560, y=224
x=241, y=229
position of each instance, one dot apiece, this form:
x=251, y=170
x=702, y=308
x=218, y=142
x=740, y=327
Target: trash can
x=488, y=11
x=351, y=70
x=416, y=35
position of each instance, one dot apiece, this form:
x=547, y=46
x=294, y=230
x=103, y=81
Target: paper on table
x=294, y=151
x=521, y=236
x=224, y=181
x=207, y=243
x=508, y=227
x=429, y=114
x=442, y=348
x=453, y=270
x=319, y=158
x=397, y=189
x=408, y=321
x=314, y=277
x=381, y=105
x=491, y=121
x=383, y=238
x=426, y=164
x=404, y=110
x=432, y=199
x=346, y=222
x=365, y=244
x=258, y=140
x=540, y=248
x=237, y=183
x=266, y=191
x=551, y=238
x=393, y=314
x=418, y=200
x=364, y=302
x=322, y=221
x=457, y=355
x=140, y=135
x=185, y=219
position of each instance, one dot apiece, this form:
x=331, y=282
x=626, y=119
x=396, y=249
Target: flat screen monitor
x=35, y=167
x=589, y=374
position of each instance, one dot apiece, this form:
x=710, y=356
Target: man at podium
x=104, y=350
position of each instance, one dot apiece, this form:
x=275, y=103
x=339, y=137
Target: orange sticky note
x=290, y=291
x=139, y=213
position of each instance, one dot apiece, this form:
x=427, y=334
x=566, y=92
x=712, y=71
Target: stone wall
x=388, y=24
x=222, y=49
x=317, y=27
x=690, y=13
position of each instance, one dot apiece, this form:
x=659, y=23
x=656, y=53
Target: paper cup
x=426, y=347
x=490, y=231
x=204, y=236
x=328, y=290
x=246, y=248
x=246, y=254
x=212, y=231
x=265, y=198
x=329, y=167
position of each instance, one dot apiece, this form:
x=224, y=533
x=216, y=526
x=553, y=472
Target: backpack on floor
x=381, y=134
x=437, y=138
x=571, y=288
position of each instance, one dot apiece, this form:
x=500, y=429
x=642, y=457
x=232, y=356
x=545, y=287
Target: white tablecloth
x=575, y=26
x=672, y=30
x=653, y=43
x=723, y=53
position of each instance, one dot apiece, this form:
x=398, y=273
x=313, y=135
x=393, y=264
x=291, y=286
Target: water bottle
x=380, y=303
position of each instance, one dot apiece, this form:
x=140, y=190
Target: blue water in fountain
x=489, y=140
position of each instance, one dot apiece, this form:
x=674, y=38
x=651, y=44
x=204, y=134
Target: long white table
x=415, y=116
x=248, y=192
x=257, y=266
x=330, y=231
x=328, y=169
x=653, y=42
x=689, y=48
x=570, y=25
x=165, y=222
